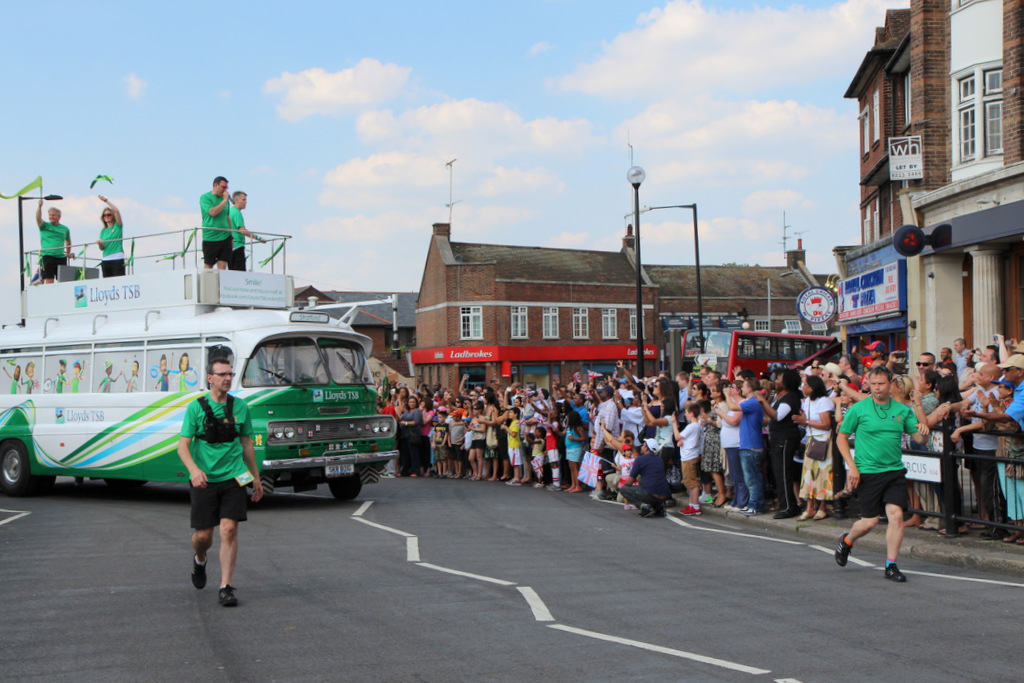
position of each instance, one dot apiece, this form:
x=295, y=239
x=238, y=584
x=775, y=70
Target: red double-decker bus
x=729, y=351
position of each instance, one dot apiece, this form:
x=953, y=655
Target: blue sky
x=337, y=119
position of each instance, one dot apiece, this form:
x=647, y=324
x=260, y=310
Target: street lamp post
x=696, y=260
x=636, y=176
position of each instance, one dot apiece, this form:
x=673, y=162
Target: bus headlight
x=289, y=432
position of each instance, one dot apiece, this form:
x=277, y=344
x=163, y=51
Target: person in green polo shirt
x=876, y=473
x=110, y=241
x=217, y=242
x=54, y=241
x=239, y=200
x=216, y=448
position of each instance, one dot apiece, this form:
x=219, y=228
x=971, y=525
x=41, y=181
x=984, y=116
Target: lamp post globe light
x=636, y=176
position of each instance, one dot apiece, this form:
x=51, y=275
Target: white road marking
x=18, y=514
x=412, y=549
x=362, y=508
x=961, y=578
x=382, y=527
x=540, y=610
x=832, y=551
x=456, y=572
x=725, y=664
x=683, y=523
x=787, y=680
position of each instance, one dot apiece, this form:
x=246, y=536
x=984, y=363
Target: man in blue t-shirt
x=653, y=491
x=751, y=442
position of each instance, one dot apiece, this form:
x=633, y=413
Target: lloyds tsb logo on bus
x=85, y=295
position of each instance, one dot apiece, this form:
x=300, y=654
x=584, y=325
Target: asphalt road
x=433, y=580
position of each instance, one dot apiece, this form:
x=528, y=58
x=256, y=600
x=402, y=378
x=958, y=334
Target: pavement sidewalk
x=969, y=551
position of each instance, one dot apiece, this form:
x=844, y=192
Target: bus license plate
x=339, y=469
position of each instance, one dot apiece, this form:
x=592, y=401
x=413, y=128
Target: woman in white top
x=816, y=410
x=730, y=440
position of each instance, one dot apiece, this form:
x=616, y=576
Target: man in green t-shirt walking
x=877, y=473
x=54, y=242
x=216, y=447
x=216, y=225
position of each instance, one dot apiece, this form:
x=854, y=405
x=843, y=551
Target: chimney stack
x=443, y=230
x=628, y=241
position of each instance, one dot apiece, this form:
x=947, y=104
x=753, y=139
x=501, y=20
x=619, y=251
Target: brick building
x=540, y=315
x=949, y=71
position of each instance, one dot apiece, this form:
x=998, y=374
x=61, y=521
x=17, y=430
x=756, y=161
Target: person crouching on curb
x=877, y=474
x=216, y=448
x=653, y=490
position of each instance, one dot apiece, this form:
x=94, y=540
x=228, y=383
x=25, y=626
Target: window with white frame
x=868, y=235
x=549, y=317
x=979, y=114
x=876, y=115
x=906, y=98
x=517, y=329
x=876, y=221
x=793, y=326
x=472, y=319
x=762, y=325
x=993, y=103
x=865, y=131
x=632, y=322
x=609, y=323
x=580, y=323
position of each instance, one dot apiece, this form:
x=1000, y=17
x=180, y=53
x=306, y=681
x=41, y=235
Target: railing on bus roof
x=176, y=249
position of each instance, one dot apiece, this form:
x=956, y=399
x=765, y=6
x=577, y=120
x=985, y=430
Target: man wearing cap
x=653, y=491
x=876, y=352
x=1013, y=372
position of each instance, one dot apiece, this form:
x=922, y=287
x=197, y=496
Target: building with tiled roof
x=540, y=315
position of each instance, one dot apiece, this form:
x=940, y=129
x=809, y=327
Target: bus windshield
x=718, y=342
x=305, y=361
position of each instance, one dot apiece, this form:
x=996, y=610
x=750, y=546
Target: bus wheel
x=15, y=476
x=124, y=484
x=345, y=488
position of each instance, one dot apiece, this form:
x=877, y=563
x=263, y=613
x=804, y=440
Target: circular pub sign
x=816, y=305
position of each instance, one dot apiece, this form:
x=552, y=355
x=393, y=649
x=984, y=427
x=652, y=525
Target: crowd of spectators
x=752, y=444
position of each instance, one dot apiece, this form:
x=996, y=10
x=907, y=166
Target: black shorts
x=50, y=263
x=112, y=268
x=222, y=500
x=237, y=261
x=217, y=251
x=875, y=490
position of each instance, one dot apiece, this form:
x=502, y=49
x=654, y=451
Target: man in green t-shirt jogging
x=216, y=447
x=54, y=242
x=216, y=225
x=877, y=473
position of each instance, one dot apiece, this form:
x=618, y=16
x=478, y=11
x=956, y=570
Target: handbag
x=817, y=450
x=492, y=437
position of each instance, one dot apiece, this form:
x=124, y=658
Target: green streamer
x=270, y=258
x=37, y=183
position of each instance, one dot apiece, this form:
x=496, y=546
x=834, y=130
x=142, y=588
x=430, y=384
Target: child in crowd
x=538, y=438
x=691, y=442
x=442, y=444
x=551, y=448
x=625, y=455
x=575, y=436
x=515, y=453
x=456, y=438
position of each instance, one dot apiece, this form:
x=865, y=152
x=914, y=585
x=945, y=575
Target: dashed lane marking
x=723, y=663
x=362, y=508
x=456, y=572
x=412, y=549
x=540, y=610
x=18, y=514
x=383, y=528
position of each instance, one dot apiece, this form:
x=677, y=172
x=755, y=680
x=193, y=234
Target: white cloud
x=538, y=48
x=488, y=129
x=688, y=47
x=571, y=240
x=262, y=170
x=317, y=91
x=506, y=180
x=134, y=87
x=764, y=202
